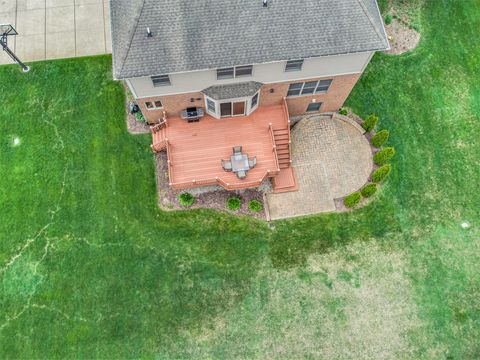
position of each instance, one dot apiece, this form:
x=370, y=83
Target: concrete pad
x=31, y=22
x=87, y=2
x=60, y=19
x=89, y=18
x=8, y=5
x=60, y=45
x=7, y=17
x=31, y=47
x=90, y=43
x=56, y=3
x=23, y=5
x=108, y=31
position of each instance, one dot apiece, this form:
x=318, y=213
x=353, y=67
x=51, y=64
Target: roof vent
x=265, y=3
x=149, y=33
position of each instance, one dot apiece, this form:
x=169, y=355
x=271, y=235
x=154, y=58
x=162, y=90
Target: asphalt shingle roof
x=207, y=34
x=230, y=91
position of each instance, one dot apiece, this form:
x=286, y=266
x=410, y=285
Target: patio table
x=240, y=163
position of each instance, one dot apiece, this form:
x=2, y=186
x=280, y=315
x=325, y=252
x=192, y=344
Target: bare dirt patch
x=402, y=38
x=133, y=125
x=209, y=198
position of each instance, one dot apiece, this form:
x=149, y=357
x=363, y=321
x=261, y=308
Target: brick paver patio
x=331, y=159
x=52, y=29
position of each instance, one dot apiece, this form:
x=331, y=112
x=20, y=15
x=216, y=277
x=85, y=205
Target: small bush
x=384, y=155
x=370, y=123
x=255, y=206
x=139, y=116
x=352, y=200
x=388, y=19
x=343, y=111
x=381, y=173
x=186, y=199
x=234, y=203
x=380, y=138
x=369, y=190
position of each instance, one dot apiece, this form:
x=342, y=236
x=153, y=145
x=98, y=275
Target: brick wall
x=331, y=101
x=172, y=105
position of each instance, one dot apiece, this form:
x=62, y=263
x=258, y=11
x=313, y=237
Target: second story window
x=294, y=65
x=225, y=73
x=243, y=70
x=233, y=72
x=161, y=80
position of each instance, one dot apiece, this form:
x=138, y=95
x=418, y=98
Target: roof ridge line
x=131, y=38
x=362, y=5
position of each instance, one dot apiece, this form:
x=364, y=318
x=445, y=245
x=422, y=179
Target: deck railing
x=163, y=123
x=287, y=116
x=169, y=161
x=220, y=182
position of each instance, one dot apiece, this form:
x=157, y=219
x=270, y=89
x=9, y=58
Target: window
x=314, y=107
x=309, y=87
x=295, y=89
x=323, y=85
x=211, y=106
x=243, y=70
x=161, y=80
x=254, y=101
x=226, y=73
x=153, y=105
x=294, y=65
x=238, y=71
x=232, y=109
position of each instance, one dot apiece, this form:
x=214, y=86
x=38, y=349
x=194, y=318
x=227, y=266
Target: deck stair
x=159, y=142
x=282, y=143
x=285, y=181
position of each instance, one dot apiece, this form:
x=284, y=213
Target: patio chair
x=242, y=174
x=226, y=165
x=237, y=149
x=252, y=162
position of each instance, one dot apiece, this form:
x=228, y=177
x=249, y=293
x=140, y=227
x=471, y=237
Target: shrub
x=186, y=199
x=139, y=116
x=255, y=206
x=370, y=123
x=343, y=111
x=384, y=155
x=381, y=173
x=234, y=203
x=388, y=19
x=352, y=200
x=369, y=190
x=380, y=138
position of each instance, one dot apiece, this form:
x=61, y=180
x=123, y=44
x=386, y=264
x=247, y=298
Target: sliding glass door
x=232, y=109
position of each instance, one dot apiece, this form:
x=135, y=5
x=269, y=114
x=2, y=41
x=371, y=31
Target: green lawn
x=91, y=268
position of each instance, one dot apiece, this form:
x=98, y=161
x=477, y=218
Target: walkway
x=53, y=29
x=331, y=159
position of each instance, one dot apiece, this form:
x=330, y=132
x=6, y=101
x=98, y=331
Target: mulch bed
x=339, y=205
x=402, y=38
x=133, y=125
x=216, y=198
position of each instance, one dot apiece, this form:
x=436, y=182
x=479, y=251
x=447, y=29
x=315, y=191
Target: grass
x=90, y=268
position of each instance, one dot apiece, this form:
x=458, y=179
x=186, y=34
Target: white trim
x=154, y=106
x=265, y=84
x=132, y=89
x=314, y=91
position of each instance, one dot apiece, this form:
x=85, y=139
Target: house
x=210, y=75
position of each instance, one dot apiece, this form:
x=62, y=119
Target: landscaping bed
x=212, y=197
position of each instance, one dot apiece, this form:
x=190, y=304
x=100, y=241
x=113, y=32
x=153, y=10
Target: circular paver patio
x=331, y=159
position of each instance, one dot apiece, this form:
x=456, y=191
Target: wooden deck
x=196, y=149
